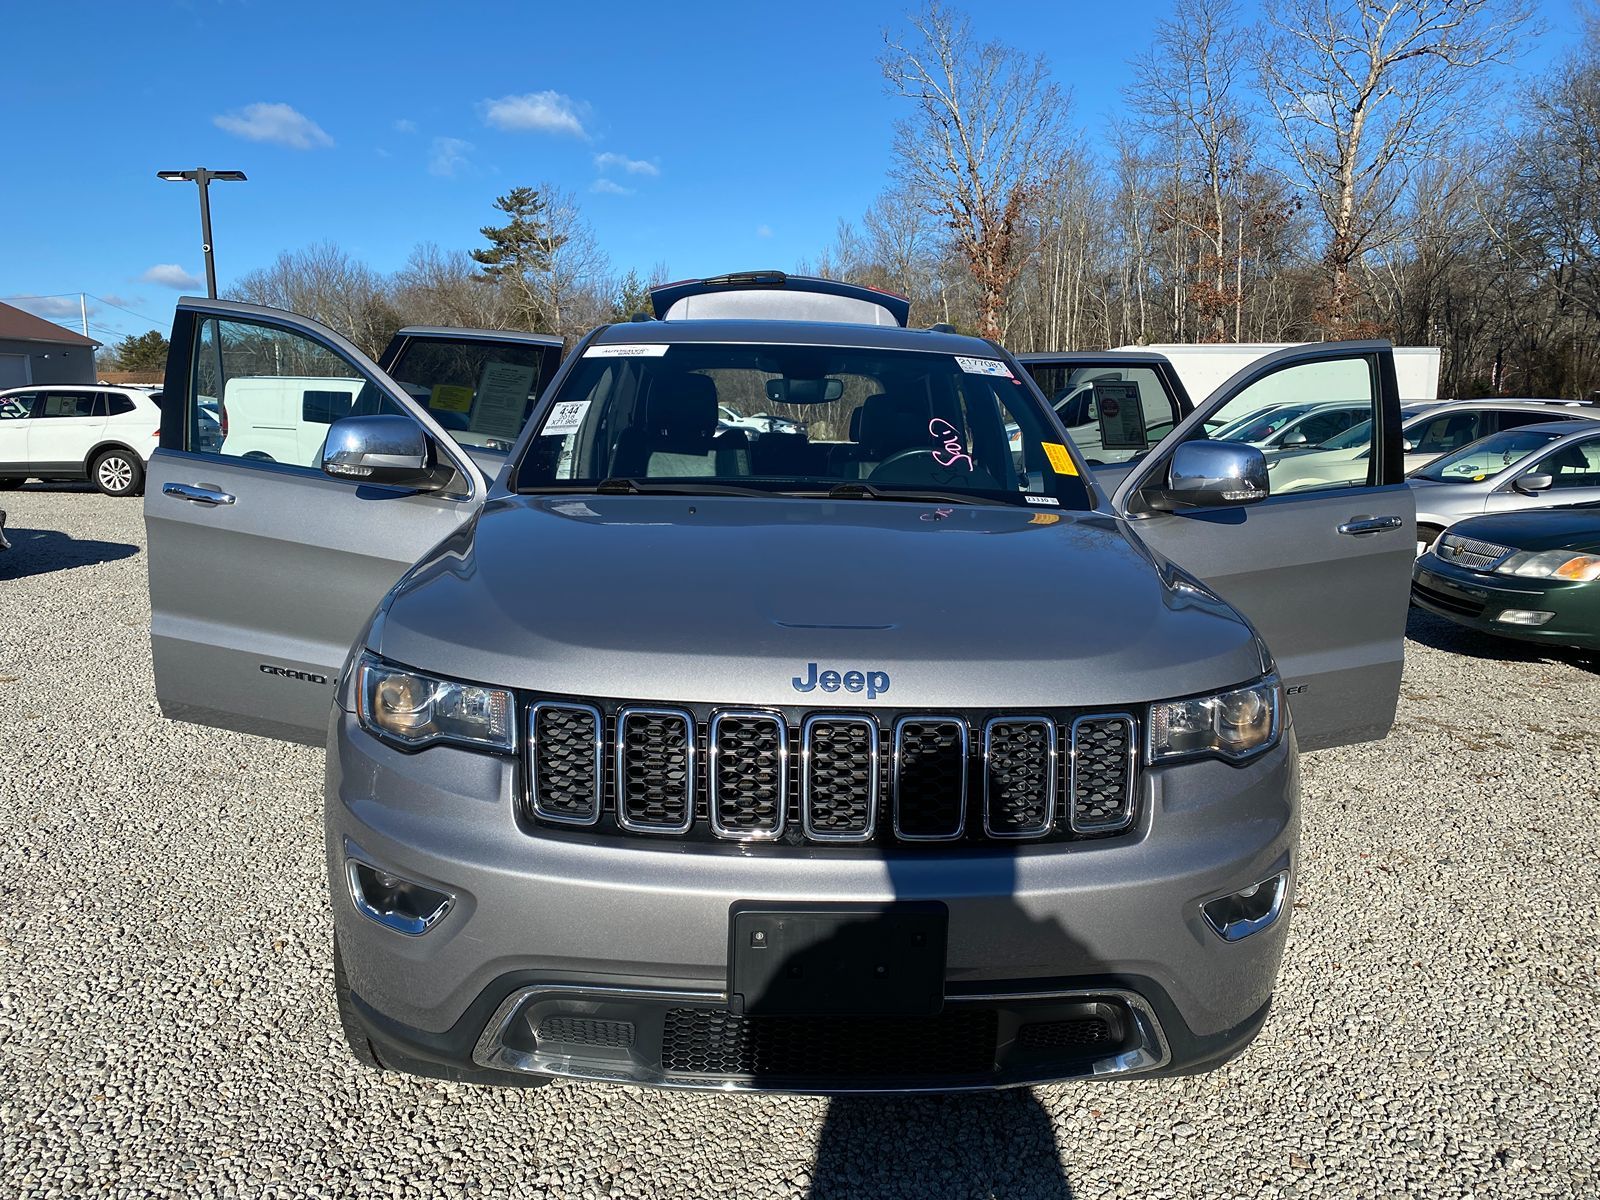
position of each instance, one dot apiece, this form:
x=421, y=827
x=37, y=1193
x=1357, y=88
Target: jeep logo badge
x=874, y=683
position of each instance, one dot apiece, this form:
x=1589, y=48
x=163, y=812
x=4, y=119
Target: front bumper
x=556, y=929
x=1475, y=600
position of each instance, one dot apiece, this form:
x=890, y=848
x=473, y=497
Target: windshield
x=807, y=420
x=1487, y=456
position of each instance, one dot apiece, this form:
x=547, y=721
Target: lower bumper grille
x=1445, y=601
x=954, y=1043
x=754, y=775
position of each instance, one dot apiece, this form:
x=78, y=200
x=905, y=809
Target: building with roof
x=33, y=350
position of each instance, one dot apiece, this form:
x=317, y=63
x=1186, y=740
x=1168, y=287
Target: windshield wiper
x=868, y=491
x=639, y=487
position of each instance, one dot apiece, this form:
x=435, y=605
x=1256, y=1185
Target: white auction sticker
x=566, y=416
x=984, y=366
x=1050, y=500
x=638, y=350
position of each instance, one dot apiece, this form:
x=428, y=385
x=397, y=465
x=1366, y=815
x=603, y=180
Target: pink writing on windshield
x=952, y=452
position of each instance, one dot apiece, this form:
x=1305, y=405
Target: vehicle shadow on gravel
x=1000, y=1144
x=1435, y=632
x=41, y=551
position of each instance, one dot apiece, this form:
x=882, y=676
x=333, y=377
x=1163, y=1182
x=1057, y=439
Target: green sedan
x=1533, y=575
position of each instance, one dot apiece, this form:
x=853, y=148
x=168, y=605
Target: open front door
x=263, y=569
x=1322, y=571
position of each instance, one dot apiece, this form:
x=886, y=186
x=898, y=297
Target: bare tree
x=441, y=287
x=1363, y=90
x=983, y=136
x=324, y=283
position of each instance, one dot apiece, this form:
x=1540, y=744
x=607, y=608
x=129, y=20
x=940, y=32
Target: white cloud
x=117, y=301
x=536, y=112
x=763, y=231
x=405, y=126
x=170, y=275
x=609, y=187
x=633, y=166
x=56, y=308
x=276, y=123
x=449, y=156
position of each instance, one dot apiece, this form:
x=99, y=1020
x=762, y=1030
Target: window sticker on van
x=450, y=397
x=984, y=366
x=1121, y=415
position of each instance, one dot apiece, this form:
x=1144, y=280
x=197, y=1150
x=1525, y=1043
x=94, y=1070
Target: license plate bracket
x=837, y=960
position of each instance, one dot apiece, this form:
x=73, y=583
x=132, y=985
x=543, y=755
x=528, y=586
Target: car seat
x=676, y=434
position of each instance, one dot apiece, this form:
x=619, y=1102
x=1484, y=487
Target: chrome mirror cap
x=1206, y=474
x=1531, y=484
x=391, y=450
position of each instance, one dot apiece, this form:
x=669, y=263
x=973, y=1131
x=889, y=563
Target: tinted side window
x=1574, y=466
x=65, y=404
x=1114, y=414
x=17, y=406
x=116, y=406
x=1509, y=419
x=269, y=394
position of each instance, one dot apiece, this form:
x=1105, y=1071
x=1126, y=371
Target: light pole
x=203, y=176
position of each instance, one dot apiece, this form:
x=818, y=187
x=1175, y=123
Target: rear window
x=482, y=392
x=800, y=420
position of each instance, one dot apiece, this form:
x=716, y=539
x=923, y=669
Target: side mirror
x=1295, y=438
x=1532, y=485
x=390, y=450
x=1408, y=445
x=1205, y=474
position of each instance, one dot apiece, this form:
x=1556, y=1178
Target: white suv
x=102, y=434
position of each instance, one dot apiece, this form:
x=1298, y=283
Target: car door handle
x=196, y=495
x=1371, y=525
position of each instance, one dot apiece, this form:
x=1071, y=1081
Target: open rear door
x=263, y=570
x=1323, y=572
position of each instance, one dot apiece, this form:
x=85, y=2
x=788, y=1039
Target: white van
x=283, y=418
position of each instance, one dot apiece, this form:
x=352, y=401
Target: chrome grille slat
x=839, y=774
x=1019, y=776
x=931, y=761
x=566, y=758
x=749, y=775
x=655, y=769
x=1471, y=553
x=1102, y=774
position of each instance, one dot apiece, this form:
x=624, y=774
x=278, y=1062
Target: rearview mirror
x=391, y=450
x=804, y=391
x=1205, y=474
x=1530, y=485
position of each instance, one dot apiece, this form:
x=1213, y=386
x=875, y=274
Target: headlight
x=418, y=710
x=1551, y=564
x=1234, y=724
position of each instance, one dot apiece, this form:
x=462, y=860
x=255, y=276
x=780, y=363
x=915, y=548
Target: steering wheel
x=918, y=466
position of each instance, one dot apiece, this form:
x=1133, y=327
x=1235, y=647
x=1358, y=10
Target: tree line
x=1338, y=168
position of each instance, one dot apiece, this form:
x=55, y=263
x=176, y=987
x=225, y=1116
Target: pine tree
x=520, y=254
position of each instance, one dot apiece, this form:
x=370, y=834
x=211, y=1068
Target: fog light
x=393, y=902
x=1249, y=910
x=1523, y=616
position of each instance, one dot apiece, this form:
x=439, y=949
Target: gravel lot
x=167, y=1025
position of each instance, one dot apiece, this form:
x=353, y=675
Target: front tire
x=117, y=473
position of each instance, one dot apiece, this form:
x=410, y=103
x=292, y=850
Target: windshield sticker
x=1060, y=461
x=503, y=392
x=984, y=366
x=450, y=397
x=1120, y=414
x=952, y=450
x=1044, y=518
x=1050, y=500
x=652, y=350
x=565, y=417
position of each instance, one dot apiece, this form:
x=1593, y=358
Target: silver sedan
x=1534, y=466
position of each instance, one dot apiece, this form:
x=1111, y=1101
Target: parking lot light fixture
x=203, y=176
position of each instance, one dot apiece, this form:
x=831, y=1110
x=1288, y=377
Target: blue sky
x=708, y=136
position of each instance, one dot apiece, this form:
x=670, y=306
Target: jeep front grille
x=798, y=777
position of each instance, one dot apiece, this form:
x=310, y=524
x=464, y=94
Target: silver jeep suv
x=886, y=753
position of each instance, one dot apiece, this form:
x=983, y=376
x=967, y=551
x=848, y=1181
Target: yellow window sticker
x=449, y=397
x=1479, y=478
x=1060, y=460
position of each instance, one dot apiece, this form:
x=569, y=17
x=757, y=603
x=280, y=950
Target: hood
x=1571, y=527
x=747, y=601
